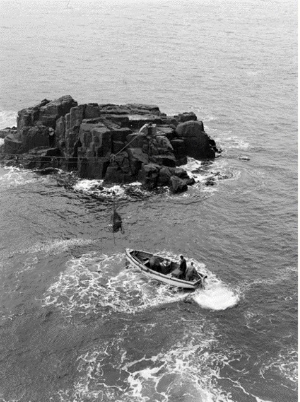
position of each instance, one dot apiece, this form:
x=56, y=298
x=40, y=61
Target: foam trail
x=216, y=296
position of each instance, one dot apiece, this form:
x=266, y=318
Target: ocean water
x=76, y=323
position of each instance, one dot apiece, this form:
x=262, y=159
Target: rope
x=112, y=157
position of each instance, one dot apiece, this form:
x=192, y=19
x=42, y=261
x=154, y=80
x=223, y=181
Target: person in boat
x=180, y=271
x=155, y=264
x=191, y=273
x=182, y=267
x=165, y=267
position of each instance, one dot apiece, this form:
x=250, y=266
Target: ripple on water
x=182, y=370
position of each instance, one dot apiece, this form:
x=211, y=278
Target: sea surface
x=76, y=324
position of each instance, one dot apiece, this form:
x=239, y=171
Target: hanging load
x=117, y=222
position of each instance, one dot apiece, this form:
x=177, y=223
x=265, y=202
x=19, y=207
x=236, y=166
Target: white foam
x=1, y=141
x=97, y=282
x=184, y=371
x=14, y=177
x=8, y=118
x=216, y=295
x=96, y=187
x=285, y=364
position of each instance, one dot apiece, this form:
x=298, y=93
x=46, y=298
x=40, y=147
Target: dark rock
x=138, y=108
x=163, y=143
x=111, y=146
x=165, y=130
x=54, y=109
x=117, y=146
x=60, y=127
x=178, y=147
x=120, y=134
x=71, y=137
x=244, y=158
x=33, y=137
x=177, y=185
x=181, y=161
x=137, y=154
x=12, y=145
x=136, y=121
x=113, y=109
x=76, y=115
x=136, y=140
x=52, y=152
x=187, y=116
x=92, y=168
x=122, y=120
x=46, y=171
x=101, y=137
x=114, y=174
x=211, y=181
x=197, y=142
x=148, y=175
x=170, y=121
x=190, y=181
x=4, y=132
x=92, y=111
x=24, y=118
x=181, y=173
x=165, y=175
x=165, y=160
x=136, y=158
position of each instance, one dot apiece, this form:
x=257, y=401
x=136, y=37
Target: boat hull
x=164, y=278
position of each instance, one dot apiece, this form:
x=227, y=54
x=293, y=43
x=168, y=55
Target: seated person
x=191, y=273
x=155, y=264
x=165, y=267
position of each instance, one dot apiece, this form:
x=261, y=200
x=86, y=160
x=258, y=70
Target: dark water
x=76, y=324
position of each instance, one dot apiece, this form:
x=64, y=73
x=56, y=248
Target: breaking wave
x=13, y=177
x=96, y=188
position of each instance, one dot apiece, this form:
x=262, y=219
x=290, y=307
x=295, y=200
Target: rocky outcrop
x=117, y=143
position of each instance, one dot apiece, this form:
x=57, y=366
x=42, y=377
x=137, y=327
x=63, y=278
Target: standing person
x=191, y=272
x=51, y=134
x=182, y=267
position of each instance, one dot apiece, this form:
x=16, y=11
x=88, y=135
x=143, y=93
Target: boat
x=167, y=272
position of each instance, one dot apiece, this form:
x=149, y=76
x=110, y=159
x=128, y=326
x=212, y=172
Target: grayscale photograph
x=148, y=201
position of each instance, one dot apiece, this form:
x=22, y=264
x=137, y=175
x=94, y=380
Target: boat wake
x=97, y=284
x=216, y=295
x=184, y=371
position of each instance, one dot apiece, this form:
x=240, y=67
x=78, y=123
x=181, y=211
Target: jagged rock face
x=11, y=144
x=187, y=117
x=178, y=185
x=33, y=137
x=45, y=113
x=149, y=174
x=104, y=141
x=197, y=142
